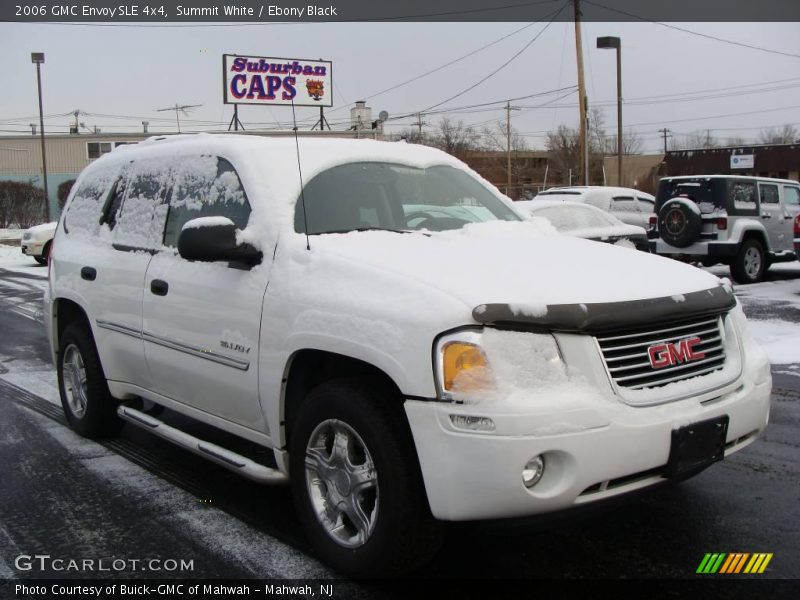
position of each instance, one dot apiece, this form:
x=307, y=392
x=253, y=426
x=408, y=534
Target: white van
x=408, y=348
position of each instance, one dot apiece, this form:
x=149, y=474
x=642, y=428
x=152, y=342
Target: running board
x=216, y=454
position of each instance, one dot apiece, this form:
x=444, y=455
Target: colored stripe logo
x=734, y=562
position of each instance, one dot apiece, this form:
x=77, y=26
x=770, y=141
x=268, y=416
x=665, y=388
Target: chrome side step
x=216, y=454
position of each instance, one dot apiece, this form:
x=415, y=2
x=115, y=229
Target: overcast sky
x=131, y=71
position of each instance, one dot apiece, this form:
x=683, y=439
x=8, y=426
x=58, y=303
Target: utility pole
x=509, y=108
x=420, y=123
x=582, y=100
x=665, y=133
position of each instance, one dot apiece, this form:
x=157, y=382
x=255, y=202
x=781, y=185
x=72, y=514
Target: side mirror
x=212, y=239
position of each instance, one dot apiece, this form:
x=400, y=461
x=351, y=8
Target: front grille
x=628, y=361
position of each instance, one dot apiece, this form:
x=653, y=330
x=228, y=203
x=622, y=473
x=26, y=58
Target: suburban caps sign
x=286, y=81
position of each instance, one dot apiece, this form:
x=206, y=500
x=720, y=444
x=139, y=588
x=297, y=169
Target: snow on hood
x=522, y=263
x=44, y=227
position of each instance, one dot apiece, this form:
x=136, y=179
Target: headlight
x=461, y=365
x=472, y=364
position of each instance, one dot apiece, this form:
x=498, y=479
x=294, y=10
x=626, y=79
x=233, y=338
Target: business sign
x=281, y=81
x=743, y=161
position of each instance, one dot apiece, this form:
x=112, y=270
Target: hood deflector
x=602, y=317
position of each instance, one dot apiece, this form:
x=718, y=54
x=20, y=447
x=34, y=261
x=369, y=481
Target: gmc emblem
x=667, y=354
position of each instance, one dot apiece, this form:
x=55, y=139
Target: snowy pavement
x=139, y=497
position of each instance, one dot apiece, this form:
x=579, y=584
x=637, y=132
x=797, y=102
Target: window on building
x=97, y=149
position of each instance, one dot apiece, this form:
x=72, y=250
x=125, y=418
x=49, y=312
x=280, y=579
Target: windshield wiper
x=361, y=229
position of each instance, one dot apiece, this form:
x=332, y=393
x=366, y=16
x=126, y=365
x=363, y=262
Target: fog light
x=533, y=471
x=471, y=423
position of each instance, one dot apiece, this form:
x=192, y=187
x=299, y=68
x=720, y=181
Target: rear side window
x=791, y=196
x=140, y=222
x=743, y=194
x=205, y=186
x=85, y=210
x=646, y=205
x=624, y=204
x=769, y=193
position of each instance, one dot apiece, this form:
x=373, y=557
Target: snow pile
x=780, y=340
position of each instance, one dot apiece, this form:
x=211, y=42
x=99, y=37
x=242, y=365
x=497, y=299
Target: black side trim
x=124, y=248
x=426, y=399
x=603, y=317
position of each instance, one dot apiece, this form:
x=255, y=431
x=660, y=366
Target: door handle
x=766, y=216
x=88, y=273
x=159, y=287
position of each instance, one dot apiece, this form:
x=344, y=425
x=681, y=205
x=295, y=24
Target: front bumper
x=32, y=248
x=590, y=453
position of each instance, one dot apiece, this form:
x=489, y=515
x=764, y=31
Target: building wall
x=771, y=160
x=639, y=171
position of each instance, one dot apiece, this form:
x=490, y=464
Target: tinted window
x=623, y=203
x=113, y=202
x=791, y=196
x=698, y=190
x=743, y=194
x=140, y=222
x=97, y=149
x=86, y=207
x=205, y=186
x=769, y=193
x=390, y=196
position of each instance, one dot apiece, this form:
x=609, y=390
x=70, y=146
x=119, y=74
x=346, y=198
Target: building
x=639, y=171
x=529, y=170
x=766, y=160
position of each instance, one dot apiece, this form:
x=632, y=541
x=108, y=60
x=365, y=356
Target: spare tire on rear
x=680, y=222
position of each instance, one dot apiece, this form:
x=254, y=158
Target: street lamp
x=616, y=43
x=38, y=59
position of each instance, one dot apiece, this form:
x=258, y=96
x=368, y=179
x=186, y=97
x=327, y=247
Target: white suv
x=405, y=345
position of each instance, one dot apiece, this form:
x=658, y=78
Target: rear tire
x=356, y=481
x=750, y=263
x=88, y=405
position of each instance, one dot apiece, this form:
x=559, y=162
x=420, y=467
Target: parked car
x=628, y=205
x=37, y=241
x=397, y=374
x=586, y=221
x=748, y=223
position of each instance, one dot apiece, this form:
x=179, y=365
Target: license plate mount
x=697, y=446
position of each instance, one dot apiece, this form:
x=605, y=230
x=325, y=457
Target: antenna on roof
x=300, y=172
x=179, y=108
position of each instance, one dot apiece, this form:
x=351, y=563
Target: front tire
x=356, y=481
x=750, y=263
x=88, y=405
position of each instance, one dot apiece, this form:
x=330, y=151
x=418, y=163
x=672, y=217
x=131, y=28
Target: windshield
x=360, y=196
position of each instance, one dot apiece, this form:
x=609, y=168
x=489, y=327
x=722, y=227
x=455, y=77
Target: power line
x=553, y=16
x=697, y=33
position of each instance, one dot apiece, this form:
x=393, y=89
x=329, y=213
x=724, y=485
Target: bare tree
x=787, y=134
x=21, y=204
x=735, y=141
x=456, y=138
x=694, y=141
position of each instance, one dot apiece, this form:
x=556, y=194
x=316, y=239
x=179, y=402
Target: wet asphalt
x=58, y=498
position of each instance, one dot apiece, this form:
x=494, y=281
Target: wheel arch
x=309, y=367
x=64, y=312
